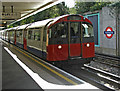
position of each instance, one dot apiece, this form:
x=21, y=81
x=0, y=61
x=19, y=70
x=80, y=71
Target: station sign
x=10, y=15
x=109, y=32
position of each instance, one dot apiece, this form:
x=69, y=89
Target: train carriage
x=62, y=38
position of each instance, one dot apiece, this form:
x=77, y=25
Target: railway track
x=102, y=72
x=107, y=68
x=102, y=77
x=107, y=63
x=109, y=60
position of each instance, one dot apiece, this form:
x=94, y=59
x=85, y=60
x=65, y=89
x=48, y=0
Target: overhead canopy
x=16, y=9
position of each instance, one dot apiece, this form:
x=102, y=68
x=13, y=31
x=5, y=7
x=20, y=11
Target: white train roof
x=22, y=26
x=44, y=22
x=38, y=23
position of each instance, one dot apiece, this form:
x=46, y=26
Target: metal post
x=117, y=32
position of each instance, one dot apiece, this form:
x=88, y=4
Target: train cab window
x=58, y=31
x=74, y=17
x=87, y=30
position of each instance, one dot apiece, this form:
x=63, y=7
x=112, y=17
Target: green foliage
x=73, y=11
x=54, y=11
x=11, y=26
x=99, y=5
x=27, y=20
x=82, y=7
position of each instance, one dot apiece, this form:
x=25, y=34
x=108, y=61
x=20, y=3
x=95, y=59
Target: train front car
x=70, y=37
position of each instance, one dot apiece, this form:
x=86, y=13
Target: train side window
x=20, y=33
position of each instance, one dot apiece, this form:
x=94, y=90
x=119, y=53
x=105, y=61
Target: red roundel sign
x=109, y=32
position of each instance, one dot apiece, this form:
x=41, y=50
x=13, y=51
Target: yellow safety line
x=60, y=75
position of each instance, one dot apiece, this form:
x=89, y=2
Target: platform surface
x=14, y=77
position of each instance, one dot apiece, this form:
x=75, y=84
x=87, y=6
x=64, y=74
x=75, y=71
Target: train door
x=44, y=40
x=74, y=40
x=87, y=40
x=25, y=39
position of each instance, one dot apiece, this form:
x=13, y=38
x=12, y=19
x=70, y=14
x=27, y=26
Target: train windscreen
x=87, y=30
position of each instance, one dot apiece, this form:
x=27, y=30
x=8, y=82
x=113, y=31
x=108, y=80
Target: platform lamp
x=5, y=24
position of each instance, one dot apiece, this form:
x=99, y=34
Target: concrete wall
x=107, y=46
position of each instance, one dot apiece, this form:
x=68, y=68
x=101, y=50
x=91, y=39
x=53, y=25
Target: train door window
x=37, y=34
x=74, y=30
x=7, y=35
x=19, y=36
x=12, y=36
x=30, y=34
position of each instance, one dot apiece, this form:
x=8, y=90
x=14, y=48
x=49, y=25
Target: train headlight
x=59, y=47
x=88, y=45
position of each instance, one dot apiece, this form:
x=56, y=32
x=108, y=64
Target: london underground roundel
x=109, y=32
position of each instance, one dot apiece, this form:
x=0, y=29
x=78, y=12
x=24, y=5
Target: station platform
x=40, y=75
x=13, y=76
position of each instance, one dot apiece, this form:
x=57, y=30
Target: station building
x=107, y=19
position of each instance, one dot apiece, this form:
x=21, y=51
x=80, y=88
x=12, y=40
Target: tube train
x=62, y=38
